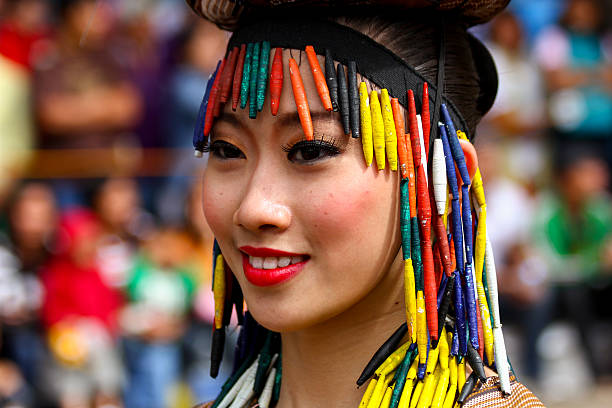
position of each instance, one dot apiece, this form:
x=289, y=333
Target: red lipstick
x=269, y=277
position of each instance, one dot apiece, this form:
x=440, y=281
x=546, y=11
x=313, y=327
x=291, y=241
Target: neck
x=322, y=363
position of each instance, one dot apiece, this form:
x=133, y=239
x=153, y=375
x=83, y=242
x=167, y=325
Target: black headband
x=374, y=61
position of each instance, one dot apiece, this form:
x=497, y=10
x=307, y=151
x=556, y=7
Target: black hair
x=415, y=38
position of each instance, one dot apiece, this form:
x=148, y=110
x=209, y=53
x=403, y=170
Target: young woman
x=323, y=233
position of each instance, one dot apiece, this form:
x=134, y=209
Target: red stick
x=425, y=117
x=414, y=129
x=216, y=90
x=226, y=81
x=402, y=150
x=301, y=103
x=212, y=100
x=276, y=80
x=429, y=279
x=238, y=77
x=451, y=250
x=440, y=230
x=411, y=178
x=319, y=78
x=437, y=263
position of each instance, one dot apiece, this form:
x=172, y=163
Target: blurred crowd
x=105, y=256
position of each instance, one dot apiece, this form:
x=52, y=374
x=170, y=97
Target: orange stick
x=301, y=103
x=402, y=150
x=319, y=78
x=276, y=80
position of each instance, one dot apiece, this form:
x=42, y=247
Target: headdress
x=452, y=311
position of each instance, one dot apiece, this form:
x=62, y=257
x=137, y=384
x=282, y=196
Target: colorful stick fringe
x=451, y=299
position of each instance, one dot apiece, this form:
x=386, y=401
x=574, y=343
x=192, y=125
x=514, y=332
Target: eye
x=224, y=150
x=311, y=151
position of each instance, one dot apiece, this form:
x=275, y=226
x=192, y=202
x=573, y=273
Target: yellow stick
x=410, y=299
x=444, y=350
x=219, y=291
x=406, y=393
x=393, y=361
x=428, y=389
x=366, y=123
x=378, y=130
x=440, y=393
x=421, y=321
x=389, y=126
x=461, y=375
x=387, y=398
x=368, y=394
x=416, y=394
x=378, y=393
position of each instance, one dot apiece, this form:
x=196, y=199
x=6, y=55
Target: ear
x=471, y=159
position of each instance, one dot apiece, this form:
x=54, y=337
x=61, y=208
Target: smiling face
x=334, y=220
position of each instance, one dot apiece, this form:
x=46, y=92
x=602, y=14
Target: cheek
x=217, y=202
x=354, y=211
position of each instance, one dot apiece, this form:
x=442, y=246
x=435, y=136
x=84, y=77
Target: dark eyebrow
x=231, y=118
x=292, y=118
x=289, y=119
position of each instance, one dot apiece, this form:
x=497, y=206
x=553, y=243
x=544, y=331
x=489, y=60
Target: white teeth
x=273, y=262
x=283, y=261
x=256, y=262
x=270, y=262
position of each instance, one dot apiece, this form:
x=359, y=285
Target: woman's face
x=267, y=190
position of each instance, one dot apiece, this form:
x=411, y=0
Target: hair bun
x=228, y=13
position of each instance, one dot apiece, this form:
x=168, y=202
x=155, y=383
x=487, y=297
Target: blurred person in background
x=198, y=46
x=24, y=33
x=80, y=316
x=83, y=95
x=573, y=234
x=124, y=223
x=32, y=226
x=160, y=291
x=576, y=57
x=517, y=119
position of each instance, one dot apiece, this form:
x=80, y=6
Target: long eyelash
x=206, y=146
x=323, y=142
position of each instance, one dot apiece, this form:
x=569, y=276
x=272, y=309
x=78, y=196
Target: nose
x=264, y=206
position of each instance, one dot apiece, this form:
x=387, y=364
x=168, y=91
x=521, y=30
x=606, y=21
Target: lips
x=267, y=267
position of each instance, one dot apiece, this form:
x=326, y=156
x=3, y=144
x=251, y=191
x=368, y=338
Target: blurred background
x=105, y=256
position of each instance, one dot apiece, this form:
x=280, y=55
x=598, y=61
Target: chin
x=283, y=316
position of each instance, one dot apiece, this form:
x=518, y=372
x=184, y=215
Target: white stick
x=501, y=357
x=439, y=176
x=266, y=394
x=246, y=392
x=422, y=144
x=231, y=395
